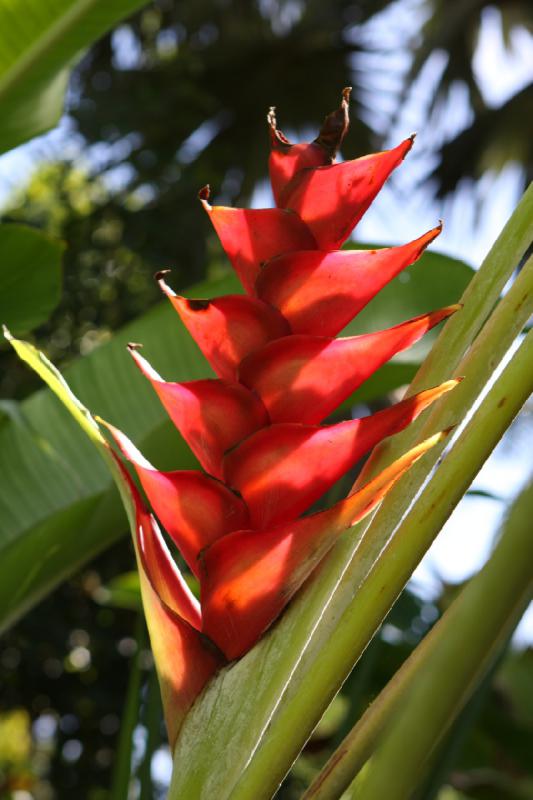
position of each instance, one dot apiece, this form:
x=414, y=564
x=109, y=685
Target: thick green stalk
x=461, y=618
x=477, y=367
x=389, y=572
x=269, y=719
x=470, y=637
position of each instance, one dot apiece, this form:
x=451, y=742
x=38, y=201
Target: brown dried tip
x=134, y=346
x=447, y=431
x=278, y=139
x=204, y=193
x=441, y=224
x=335, y=126
x=159, y=276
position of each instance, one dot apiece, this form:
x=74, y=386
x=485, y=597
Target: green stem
x=480, y=296
x=477, y=367
x=469, y=638
x=152, y=722
x=359, y=744
x=386, y=575
x=122, y=770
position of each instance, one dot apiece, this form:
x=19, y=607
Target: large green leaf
x=57, y=504
x=39, y=41
x=30, y=277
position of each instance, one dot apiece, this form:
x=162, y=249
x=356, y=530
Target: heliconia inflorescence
x=256, y=429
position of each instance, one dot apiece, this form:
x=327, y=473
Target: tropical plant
x=236, y=691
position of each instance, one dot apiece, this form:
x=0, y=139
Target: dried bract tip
x=203, y=196
x=160, y=278
x=133, y=346
x=335, y=126
x=446, y=432
x=161, y=273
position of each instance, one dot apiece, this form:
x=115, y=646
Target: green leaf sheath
x=460, y=653
x=481, y=605
x=277, y=693
x=39, y=42
x=30, y=277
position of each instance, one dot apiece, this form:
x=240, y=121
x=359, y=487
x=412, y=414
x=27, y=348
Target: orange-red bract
x=185, y=658
x=255, y=429
x=248, y=577
x=304, y=378
x=319, y=292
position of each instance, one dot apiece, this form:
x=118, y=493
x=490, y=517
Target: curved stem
x=459, y=623
x=462, y=651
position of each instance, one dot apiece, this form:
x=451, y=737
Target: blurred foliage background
x=175, y=98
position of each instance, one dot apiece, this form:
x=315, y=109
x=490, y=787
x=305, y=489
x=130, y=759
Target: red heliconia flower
x=256, y=428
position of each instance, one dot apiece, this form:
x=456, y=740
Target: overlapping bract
x=255, y=428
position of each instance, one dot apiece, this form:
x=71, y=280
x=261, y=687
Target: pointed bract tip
x=427, y=238
x=408, y=144
x=145, y=367
x=111, y=428
x=335, y=127
x=278, y=140
x=453, y=308
x=131, y=346
x=446, y=432
x=160, y=274
x=440, y=225
x=204, y=195
x=160, y=278
x=7, y=333
x=447, y=386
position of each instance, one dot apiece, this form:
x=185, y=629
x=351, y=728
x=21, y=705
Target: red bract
x=255, y=428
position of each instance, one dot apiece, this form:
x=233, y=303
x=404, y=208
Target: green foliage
x=30, y=277
x=39, y=39
x=105, y=284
